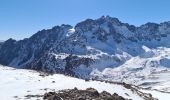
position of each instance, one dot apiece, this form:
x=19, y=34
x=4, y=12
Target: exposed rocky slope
x=88, y=94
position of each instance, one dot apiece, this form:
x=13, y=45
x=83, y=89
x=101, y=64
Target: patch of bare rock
x=75, y=94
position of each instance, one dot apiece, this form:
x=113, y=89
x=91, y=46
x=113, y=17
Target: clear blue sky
x=22, y=18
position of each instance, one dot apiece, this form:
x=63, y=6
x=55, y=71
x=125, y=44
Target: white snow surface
x=151, y=69
x=20, y=82
x=157, y=94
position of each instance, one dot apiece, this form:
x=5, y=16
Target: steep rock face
x=6, y=53
x=1, y=42
x=27, y=50
x=92, y=44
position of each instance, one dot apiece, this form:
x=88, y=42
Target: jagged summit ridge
x=91, y=45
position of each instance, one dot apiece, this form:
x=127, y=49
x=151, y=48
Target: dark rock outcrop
x=88, y=94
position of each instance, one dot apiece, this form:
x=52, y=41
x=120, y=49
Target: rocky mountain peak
x=92, y=44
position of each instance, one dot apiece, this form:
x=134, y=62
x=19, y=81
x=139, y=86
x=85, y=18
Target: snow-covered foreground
x=20, y=82
x=17, y=82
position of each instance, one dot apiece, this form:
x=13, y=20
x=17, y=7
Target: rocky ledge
x=88, y=94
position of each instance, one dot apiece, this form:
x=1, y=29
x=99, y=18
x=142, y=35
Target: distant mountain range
x=102, y=49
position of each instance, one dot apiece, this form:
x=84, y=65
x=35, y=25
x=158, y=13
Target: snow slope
x=17, y=83
x=148, y=70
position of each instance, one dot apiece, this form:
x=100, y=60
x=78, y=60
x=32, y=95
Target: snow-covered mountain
x=149, y=70
x=104, y=48
x=20, y=84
